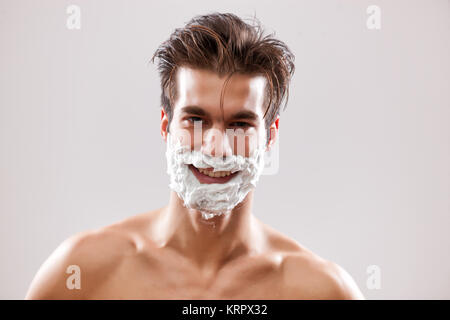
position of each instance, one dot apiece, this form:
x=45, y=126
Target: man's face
x=198, y=106
x=225, y=146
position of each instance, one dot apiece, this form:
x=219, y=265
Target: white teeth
x=216, y=174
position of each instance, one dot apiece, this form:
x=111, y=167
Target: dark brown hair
x=225, y=44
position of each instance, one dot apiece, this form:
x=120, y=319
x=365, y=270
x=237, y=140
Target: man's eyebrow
x=194, y=110
x=245, y=115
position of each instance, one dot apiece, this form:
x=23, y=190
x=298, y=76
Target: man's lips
x=203, y=178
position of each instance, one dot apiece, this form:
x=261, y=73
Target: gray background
x=364, y=149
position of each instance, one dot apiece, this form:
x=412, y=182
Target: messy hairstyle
x=225, y=44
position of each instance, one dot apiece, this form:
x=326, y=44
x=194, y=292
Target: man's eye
x=193, y=119
x=240, y=124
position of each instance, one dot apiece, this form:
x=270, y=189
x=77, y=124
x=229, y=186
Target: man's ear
x=273, y=133
x=164, y=124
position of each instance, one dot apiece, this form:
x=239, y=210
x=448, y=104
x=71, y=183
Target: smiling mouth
x=207, y=175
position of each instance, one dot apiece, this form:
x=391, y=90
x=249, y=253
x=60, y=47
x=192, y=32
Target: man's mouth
x=207, y=175
x=213, y=174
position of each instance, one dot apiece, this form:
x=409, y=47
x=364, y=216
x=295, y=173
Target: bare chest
x=178, y=280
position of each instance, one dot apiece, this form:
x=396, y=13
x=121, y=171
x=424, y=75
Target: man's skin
x=173, y=253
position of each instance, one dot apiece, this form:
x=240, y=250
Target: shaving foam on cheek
x=215, y=198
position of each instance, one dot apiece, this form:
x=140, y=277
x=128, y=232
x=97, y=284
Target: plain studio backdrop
x=364, y=158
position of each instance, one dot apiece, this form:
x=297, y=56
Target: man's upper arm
x=342, y=285
x=311, y=277
x=50, y=280
x=90, y=256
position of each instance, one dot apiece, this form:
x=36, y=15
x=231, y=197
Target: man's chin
x=212, y=215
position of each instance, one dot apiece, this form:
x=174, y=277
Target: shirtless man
x=187, y=250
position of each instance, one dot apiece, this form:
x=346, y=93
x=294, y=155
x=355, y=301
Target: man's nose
x=216, y=143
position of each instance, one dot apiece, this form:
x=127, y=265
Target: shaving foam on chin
x=215, y=198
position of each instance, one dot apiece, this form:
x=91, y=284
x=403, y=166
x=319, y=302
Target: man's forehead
x=203, y=88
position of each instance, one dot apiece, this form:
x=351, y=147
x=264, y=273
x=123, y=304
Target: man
x=219, y=75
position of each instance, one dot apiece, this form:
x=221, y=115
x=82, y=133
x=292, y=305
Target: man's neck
x=210, y=243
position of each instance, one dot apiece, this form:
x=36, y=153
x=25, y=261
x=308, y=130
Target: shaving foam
x=212, y=199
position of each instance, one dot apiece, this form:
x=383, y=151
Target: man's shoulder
x=95, y=254
x=306, y=275
x=99, y=247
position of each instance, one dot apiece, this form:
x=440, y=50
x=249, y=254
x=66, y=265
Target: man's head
x=220, y=74
x=228, y=47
